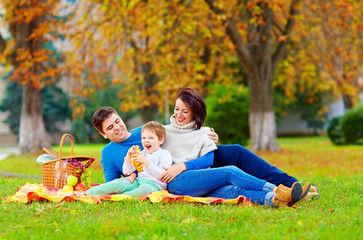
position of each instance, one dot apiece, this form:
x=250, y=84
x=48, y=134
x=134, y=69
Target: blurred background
x=266, y=68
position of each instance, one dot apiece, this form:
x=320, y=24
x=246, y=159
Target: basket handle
x=61, y=144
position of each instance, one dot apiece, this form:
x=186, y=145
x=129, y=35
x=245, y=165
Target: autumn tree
x=155, y=47
x=29, y=24
x=325, y=59
x=151, y=48
x=332, y=38
x=260, y=32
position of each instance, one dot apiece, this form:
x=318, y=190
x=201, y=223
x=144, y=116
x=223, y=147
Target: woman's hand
x=172, y=172
x=214, y=136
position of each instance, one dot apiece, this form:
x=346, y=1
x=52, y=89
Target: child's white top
x=158, y=159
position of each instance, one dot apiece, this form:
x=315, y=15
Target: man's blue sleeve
x=110, y=175
x=109, y=170
x=202, y=162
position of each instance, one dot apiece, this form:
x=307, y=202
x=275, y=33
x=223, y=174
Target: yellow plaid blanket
x=37, y=192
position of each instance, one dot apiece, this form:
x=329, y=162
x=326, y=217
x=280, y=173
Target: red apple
x=80, y=187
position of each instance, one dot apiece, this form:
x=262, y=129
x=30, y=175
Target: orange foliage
x=327, y=48
x=152, y=49
x=29, y=25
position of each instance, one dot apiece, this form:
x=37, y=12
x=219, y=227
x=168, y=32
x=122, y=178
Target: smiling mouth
x=148, y=147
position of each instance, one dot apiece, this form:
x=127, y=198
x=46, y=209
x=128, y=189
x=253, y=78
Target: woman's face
x=183, y=114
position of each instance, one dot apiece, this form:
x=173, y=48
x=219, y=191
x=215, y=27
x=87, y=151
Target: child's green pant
x=136, y=189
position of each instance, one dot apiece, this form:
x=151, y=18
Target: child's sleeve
x=127, y=167
x=165, y=160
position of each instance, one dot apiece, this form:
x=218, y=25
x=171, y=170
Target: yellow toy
x=136, y=164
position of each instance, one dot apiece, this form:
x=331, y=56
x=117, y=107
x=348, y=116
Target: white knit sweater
x=185, y=143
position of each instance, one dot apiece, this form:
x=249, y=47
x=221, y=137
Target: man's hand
x=172, y=172
x=214, y=136
x=131, y=178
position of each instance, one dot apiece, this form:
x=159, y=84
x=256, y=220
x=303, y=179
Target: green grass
x=337, y=171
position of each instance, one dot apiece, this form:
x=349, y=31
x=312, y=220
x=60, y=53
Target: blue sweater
x=112, y=157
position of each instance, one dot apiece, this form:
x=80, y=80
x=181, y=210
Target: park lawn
x=336, y=170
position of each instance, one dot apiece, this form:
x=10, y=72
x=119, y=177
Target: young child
x=153, y=159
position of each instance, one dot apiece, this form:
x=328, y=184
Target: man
x=110, y=125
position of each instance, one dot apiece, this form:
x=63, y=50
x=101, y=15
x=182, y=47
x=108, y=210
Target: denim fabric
x=250, y=163
x=224, y=182
x=268, y=199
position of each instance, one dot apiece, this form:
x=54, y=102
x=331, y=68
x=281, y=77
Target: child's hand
x=142, y=159
x=130, y=152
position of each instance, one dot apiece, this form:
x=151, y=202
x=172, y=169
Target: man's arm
x=108, y=165
x=214, y=136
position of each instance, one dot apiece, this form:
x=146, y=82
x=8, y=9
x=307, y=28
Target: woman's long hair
x=195, y=102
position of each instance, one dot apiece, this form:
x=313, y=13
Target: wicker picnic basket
x=55, y=172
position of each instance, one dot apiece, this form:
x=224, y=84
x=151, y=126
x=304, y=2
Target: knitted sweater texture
x=185, y=143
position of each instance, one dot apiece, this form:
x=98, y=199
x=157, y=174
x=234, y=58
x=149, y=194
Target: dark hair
x=157, y=128
x=195, y=102
x=100, y=115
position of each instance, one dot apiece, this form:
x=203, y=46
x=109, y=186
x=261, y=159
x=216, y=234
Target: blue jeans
x=250, y=163
x=224, y=182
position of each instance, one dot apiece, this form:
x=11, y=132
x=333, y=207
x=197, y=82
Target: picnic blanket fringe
x=37, y=192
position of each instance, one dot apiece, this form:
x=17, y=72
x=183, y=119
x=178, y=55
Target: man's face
x=114, y=129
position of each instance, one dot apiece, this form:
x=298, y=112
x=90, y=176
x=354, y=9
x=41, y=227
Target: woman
x=193, y=153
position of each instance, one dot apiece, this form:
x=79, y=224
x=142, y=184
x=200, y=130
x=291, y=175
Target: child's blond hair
x=157, y=128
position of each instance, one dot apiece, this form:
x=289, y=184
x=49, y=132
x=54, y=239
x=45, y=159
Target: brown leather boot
x=288, y=196
x=305, y=189
x=314, y=189
x=311, y=196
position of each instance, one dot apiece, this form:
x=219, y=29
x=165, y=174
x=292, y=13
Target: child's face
x=150, y=141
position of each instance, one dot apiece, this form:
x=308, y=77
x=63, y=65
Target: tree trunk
x=262, y=115
x=32, y=134
x=149, y=112
x=348, y=103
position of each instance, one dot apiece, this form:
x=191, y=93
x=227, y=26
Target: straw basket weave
x=55, y=172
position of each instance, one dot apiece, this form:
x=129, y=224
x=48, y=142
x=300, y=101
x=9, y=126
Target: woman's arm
x=198, y=163
x=204, y=161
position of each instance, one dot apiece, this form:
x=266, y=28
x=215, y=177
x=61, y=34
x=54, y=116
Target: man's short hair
x=157, y=128
x=100, y=115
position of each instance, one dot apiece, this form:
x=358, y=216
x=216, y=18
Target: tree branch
x=236, y=38
x=287, y=30
x=278, y=27
x=2, y=43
